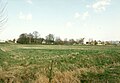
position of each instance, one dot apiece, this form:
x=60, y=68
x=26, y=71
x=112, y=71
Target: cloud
x=21, y=15
x=88, y=6
x=29, y=17
x=101, y=5
x=25, y=16
x=83, y=16
x=77, y=15
x=69, y=24
x=29, y=1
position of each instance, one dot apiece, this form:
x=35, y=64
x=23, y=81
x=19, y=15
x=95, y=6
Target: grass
x=71, y=64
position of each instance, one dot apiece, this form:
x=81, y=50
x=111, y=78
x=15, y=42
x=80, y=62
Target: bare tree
x=80, y=41
x=50, y=39
x=36, y=34
x=58, y=40
x=71, y=41
x=3, y=13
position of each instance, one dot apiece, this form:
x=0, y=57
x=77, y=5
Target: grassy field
x=59, y=64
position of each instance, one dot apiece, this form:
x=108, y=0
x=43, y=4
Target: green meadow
x=59, y=64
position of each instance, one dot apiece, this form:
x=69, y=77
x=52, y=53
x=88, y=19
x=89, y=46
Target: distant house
x=115, y=42
x=100, y=43
x=88, y=43
x=2, y=41
x=85, y=41
x=43, y=42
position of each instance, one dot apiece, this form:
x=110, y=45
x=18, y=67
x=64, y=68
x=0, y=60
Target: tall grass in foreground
x=48, y=64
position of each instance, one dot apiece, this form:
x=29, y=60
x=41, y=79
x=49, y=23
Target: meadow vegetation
x=59, y=64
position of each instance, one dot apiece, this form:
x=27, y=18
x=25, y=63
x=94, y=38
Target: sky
x=96, y=19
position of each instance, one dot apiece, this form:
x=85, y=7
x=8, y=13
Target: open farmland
x=59, y=64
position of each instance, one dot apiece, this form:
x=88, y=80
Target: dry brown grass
x=12, y=76
x=65, y=77
x=15, y=74
x=41, y=79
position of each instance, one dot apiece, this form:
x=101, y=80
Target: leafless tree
x=50, y=39
x=3, y=13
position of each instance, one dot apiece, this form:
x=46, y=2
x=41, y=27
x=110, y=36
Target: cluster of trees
x=34, y=38
x=25, y=38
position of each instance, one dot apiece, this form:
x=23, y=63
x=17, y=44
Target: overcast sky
x=97, y=19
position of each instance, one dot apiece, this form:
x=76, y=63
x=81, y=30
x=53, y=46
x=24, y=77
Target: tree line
x=34, y=38
x=50, y=39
